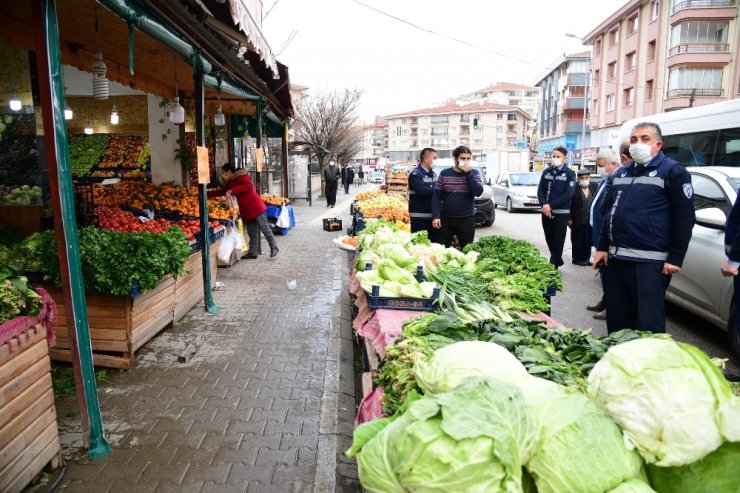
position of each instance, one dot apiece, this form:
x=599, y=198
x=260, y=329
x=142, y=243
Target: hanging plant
x=165, y=104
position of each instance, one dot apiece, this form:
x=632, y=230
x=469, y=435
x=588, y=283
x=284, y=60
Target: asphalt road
x=582, y=287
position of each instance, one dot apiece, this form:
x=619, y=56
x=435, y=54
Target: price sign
x=204, y=172
x=260, y=155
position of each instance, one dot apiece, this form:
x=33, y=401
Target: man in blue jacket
x=645, y=234
x=421, y=189
x=732, y=249
x=555, y=193
x=453, y=202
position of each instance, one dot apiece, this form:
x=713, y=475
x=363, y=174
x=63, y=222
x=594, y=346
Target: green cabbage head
x=718, y=472
x=671, y=401
x=471, y=439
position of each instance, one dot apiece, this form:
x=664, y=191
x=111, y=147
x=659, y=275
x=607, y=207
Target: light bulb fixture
x=88, y=129
x=99, y=82
x=15, y=102
x=114, y=115
x=177, y=112
x=219, y=119
x=68, y=113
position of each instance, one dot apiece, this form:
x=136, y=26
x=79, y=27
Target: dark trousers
x=347, y=183
x=580, y=240
x=635, y=296
x=462, y=227
x=555, y=229
x=736, y=285
x=254, y=227
x=603, y=273
x=330, y=190
x=424, y=224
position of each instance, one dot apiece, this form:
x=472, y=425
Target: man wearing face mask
x=580, y=234
x=555, y=193
x=421, y=189
x=645, y=234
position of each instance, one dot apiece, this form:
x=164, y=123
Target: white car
x=377, y=177
x=700, y=287
x=517, y=190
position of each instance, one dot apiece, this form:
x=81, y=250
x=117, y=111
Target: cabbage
x=579, y=450
x=392, y=272
x=668, y=397
x=368, y=279
x=449, y=365
x=398, y=254
x=471, y=439
x=633, y=486
x=716, y=473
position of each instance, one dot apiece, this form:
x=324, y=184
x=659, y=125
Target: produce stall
x=487, y=394
x=29, y=438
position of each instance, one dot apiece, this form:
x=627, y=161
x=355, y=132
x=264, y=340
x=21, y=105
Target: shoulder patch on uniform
x=688, y=190
x=653, y=173
x=572, y=184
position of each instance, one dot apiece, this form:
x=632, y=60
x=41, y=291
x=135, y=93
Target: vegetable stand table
x=273, y=212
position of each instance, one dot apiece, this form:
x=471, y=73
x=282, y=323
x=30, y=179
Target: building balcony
x=576, y=80
x=575, y=127
x=693, y=4
x=685, y=93
x=699, y=48
x=572, y=104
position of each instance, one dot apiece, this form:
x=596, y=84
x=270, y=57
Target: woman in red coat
x=251, y=208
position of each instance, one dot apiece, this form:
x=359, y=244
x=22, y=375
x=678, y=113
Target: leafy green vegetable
x=715, y=473
x=633, y=486
x=473, y=438
x=16, y=297
x=668, y=397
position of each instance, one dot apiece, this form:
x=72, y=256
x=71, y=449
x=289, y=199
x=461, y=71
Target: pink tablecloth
x=20, y=325
x=371, y=407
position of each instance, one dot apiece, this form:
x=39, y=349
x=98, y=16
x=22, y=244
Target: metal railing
x=698, y=48
x=674, y=93
x=692, y=4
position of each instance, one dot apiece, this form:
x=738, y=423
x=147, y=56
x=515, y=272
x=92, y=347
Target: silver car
x=517, y=190
x=700, y=287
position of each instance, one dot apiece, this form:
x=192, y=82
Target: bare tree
x=329, y=119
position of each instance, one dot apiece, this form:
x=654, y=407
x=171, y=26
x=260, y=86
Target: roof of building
x=452, y=107
x=507, y=86
x=609, y=22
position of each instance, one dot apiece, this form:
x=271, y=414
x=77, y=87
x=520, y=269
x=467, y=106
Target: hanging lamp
x=88, y=129
x=175, y=109
x=15, y=102
x=114, y=115
x=99, y=69
x=219, y=119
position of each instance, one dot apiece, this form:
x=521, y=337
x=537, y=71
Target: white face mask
x=641, y=153
x=556, y=161
x=583, y=183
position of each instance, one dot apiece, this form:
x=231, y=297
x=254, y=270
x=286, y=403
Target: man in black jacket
x=422, y=180
x=555, y=193
x=580, y=229
x=331, y=178
x=348, y=178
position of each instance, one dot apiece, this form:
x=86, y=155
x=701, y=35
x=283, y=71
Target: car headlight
x=487, y=193
x=520, y=195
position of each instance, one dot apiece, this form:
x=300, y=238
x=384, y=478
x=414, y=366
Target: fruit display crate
x=397, y=180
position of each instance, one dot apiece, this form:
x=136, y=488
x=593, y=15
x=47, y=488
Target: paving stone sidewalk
x=265, y=404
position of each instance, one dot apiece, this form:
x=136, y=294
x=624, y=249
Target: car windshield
x=525, y=179
x=734, y=183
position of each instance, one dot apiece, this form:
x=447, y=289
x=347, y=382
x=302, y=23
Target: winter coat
x=240, y=185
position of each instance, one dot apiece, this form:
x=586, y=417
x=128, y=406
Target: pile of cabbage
x=658, y=415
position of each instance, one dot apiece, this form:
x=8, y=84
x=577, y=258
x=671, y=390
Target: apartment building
x=653, y=56
x=374, y=142
x=563, y=103
x=481, y=126
x=507, y=93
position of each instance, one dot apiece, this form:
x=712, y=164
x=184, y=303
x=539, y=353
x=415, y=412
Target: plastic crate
x=215, y=234
x=332, y=224
x=194, y=245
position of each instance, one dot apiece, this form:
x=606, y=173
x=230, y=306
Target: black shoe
x=250, y=255
x=274, y=251
x=600, y=315
x=332, y=206
x=598, y=307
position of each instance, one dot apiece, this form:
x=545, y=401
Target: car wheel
x=493, y=218
x=733, y=334
x=509, y=208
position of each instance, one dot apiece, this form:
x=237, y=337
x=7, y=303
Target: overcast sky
x=399, y=67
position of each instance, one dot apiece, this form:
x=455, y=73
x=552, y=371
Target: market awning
x=242, y=17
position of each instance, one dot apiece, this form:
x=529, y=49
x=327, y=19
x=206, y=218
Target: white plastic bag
x=283, y=220
x=227, y=245
x=239, y=241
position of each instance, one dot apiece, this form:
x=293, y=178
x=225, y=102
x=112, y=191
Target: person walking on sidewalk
x=580, y=234
x=453, y=202
x=609, y=161
x=646, y=233
x=349, y=178
x=421, y=189
x=360, y=177
x=331, y=183
x=555, y=193
x=251, y=208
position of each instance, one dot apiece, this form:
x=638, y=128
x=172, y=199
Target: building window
x=499, y=142
x=613, y=37
x=404, y=121
x=478, y=129
x=477, y=142
x=464, y=117
x=694, y=81
x=699, y=37
x=439, y=119
x=595, y=105
x=630, y=61
x=610, y=102
x=398, y=130
x=499, y=116
x=651, y=50
x=654, y=9
x=596, y=77
x=611, y=71
x=424, y=131
x=440, y=131
x=597, y=48
x=629, y=98
x=632, y=24
x=649, y=90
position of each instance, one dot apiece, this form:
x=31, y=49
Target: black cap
x=583, y=171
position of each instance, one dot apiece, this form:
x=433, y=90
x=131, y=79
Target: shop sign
x=204, y=172
x=260, y=156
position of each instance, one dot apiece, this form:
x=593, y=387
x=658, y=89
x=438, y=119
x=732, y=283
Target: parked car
x=700, y=287
x=377, y=177
x=485, y=208
x=517, y=190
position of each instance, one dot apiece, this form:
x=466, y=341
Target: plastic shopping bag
x=244, y=247
x=283, y=220
x=231, y=201
x=228, y=245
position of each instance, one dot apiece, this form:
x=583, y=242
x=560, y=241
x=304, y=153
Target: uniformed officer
x=645, y=234
x=421, y=189
x=555, y=194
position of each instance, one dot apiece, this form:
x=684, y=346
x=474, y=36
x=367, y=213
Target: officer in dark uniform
x=555, y=194
x=421, y=189
x=645, y=234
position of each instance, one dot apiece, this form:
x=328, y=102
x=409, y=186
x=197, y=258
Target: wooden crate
x=29, y=439
x=24, y=218
x=189, y=288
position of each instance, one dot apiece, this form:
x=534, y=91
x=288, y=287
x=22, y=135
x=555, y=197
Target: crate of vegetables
x=391, y=287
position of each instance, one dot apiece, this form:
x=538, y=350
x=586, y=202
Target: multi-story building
x=507, y=93
x=563, y=103
x=374, y=142
x=483, y=127
x=653, y=56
